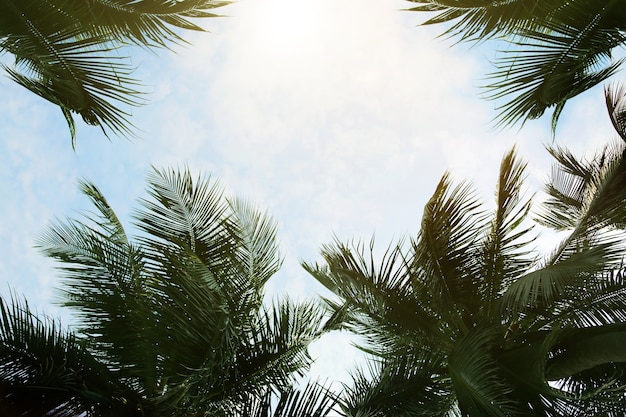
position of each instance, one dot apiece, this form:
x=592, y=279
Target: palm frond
x=474, y=20
x=67, y=51
x=188, y=215
x=314, y=400
x=377, y=299
x=552, y=65
x=616, y=105
x=177, y=317
x=579, y=350
x=553, y=50
x=268, y=353
x=504, y=255
x=467, y=277
x=524, y=365
x=408, y=384
x=45, y=370
x=446, y=248
x=544, y=288
x=104, y=282
x=587, y=196
x=81, y=74
x=258, y=249
x=275, y=348
x=479, y=386
x=200, y=246
x=357, y=260
x=189, y=320
x=601, y=303
x=145, y=23
x=585, y=367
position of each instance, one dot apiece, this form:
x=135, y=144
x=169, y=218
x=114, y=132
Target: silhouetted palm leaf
x=175, y=317
x=502, y=332
x=68, y=51
x=554, y=50
x=45, y=370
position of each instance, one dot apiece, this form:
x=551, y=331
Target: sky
x=336, y=117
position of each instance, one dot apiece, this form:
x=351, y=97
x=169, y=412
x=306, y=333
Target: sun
x=288, y=24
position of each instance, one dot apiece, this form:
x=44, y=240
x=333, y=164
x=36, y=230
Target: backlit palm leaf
x=407, y=384
x=68, y=51
x=503, y=323
x=505, y=250
x=554, y=50
x=313, y=400
x=446, y=245
x=48, y=371
x=176, y=317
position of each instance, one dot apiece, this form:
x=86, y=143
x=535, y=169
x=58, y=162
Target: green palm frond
x=352, y=272
x=177, y=316
x=189, y=320
x=45, y=370
x=504, y=254
x=57, y=60
x=229, y=247
x=408, y=384
x=552, y=65
x=258, y=249
x=270, y=352
x=480, y=19
x=146, y=23
x=601, y=303
x=553, y=50
x=446, y=248
x=615, y=103
x=585, y=196
x=105, y=284
x=274, y=349
x=525, y=365
x=544, y=288
x=187, y=214
x=375, y=297
x=577, y=350
x=313, y=400
x=585, y=367
x=598, y=391
x=478, y=383
x=68, y=51
x=515, y=336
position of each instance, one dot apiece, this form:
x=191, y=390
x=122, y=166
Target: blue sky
x=336, y=117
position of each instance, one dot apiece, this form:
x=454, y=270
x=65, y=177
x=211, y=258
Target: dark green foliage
x=68, y=51
x=170, y=324
x=553, y=49
x=468, y=320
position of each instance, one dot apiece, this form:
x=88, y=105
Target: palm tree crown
x=468, y=320
x=66, y=51
x=170, y=324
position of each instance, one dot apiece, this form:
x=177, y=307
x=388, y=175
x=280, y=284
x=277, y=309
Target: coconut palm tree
x=68, y=51
x=171, y=323
x=553, y=50
x=467, y=319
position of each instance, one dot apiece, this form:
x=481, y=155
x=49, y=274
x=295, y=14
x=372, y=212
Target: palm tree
x=554, y=49
x=67, y=51
x=467, y=319
x=170, y=324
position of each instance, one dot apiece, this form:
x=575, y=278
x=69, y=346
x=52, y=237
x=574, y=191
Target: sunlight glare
x=289, y=24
